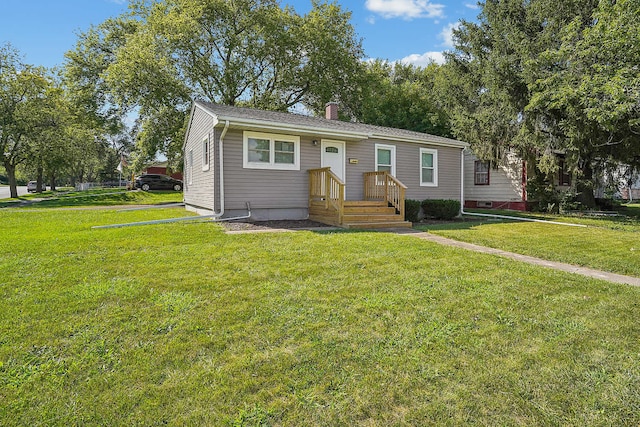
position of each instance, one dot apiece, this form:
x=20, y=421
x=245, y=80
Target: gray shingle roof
x=320, y=124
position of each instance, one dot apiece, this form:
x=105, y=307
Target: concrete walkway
x=596, y=274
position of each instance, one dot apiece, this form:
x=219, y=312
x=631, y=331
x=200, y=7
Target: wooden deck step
x=349, y=203
x=369, y=210
x=371, y=217
x=375, y=225
x=360, y=214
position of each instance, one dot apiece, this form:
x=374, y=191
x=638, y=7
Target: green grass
x=628, y=218
x=96, y=197
x=181, y=324
x=609, y=244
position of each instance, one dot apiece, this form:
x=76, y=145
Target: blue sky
x=397, y=30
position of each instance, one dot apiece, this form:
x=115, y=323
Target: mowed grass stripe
x=185, y=325
x=600, y=248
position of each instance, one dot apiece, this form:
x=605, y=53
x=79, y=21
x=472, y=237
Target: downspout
x=221, y=168
x=216, y=216
x=462, y=211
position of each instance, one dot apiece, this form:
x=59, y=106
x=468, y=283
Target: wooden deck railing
x=384, y=186
x=327, y=189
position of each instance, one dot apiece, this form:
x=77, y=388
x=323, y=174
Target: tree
x=25, y=109
x=402, y=96
x=492, y=77
x=161, y=55
x=587, y=92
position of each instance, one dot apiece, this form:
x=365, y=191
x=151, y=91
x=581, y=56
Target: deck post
x=327, y=189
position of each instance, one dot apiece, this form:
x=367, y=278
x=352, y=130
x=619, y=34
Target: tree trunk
x=39, y=180
x=52, y=181
x=584, y=187
x=11, y=175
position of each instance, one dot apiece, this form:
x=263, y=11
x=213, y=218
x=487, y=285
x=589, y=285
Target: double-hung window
x=271, y=151
x=386, y=158
x=481, y=172
x=190, y=167
x=206, y=148
x=428, y=167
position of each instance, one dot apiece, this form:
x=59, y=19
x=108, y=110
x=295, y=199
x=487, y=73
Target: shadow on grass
x=91, y=198
x=631, y=210
x=467, y=223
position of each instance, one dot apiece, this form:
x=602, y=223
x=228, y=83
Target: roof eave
x=449, y=143
x=299, y=129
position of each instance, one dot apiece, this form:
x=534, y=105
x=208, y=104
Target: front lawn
x=181, y=324
x=94, y=197
x=607, y=243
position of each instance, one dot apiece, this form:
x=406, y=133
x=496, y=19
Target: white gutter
x=308, y=130
x=221, y=168
x=300, y=129
x=451, y=143
x=462, y=211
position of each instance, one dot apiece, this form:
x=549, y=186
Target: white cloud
x=474, y=6
x=422, y=60
x=446, y=35
x=407, y=9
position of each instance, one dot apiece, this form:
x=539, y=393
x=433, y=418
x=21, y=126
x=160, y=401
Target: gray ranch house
x=291, y=166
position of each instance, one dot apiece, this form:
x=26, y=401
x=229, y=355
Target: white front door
x=333, y=156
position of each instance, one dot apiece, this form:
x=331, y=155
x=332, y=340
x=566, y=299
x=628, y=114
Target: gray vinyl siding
x=265, y=188
x=407, y=169
x=284, y=194
x=505, y=183
x=201, y=192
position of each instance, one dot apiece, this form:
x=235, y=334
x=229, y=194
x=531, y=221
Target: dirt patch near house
x=273, y=225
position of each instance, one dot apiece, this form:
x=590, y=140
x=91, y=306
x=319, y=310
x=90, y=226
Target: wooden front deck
x=383, y=206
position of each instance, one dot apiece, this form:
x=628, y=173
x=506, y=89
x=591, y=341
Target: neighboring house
x=632, y=192
x=291, y=166
x=161, y=168
x=505, y=186
x=623, y=181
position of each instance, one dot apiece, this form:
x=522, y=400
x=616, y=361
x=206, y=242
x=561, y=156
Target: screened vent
x=485, y=204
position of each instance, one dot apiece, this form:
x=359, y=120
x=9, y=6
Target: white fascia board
x=193, y=110
x=295, y=129
x=451, y=143
x=186, y=135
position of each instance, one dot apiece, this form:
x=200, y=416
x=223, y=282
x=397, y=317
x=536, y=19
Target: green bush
x=543, y=195
x=411, y=210
x=441, y=209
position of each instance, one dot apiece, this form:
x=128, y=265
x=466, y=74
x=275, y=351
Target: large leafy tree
x=586, y=92
x=26, y=110
x=491, y=72
x=402, y=96
x=161, y=55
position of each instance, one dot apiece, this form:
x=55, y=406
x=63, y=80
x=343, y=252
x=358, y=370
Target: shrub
x=411, y=210
x=441, y=209
x=543, y=195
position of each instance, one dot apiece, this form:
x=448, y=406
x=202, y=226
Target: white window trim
x=392, y=148
x=190, y=168
x=206, y=154
x=272, y=137
x=435, y=167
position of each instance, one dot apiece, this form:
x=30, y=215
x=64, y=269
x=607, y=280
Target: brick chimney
x=331, y=111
